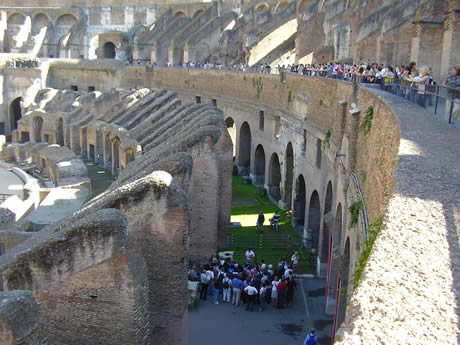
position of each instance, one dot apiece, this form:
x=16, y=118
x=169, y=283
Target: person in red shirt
x=282, y=288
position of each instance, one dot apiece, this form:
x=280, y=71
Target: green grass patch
x=271, y=246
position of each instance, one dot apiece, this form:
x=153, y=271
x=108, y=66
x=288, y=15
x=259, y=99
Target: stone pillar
x=354, y=131
x=342, y=120
x=450, y=48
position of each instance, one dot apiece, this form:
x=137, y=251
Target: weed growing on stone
x=366, y=125
x=327, y=140
x=354, y=211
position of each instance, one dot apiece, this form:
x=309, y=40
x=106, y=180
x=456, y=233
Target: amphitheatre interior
x=105, y=92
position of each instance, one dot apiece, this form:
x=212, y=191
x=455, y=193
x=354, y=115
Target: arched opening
x=109, y=51
x=202, y=52
x=344, y=289
x=37, y=125
x=289, y=176
x=129, y=156
x=328, y=222
x=274, y=177
x=39, y=22
x=259, y=166
x=108, y=152
x=197, y=12
x=60, y=132
x=244, y=154
x=335, y=256
x=15, y=113
x=179, y=13
x=303, y=3
x=116, y=155
x=66, y=20
x=14, y=39
x=261, y=7
x=231, y=128
x=299, y=203
x=314, y=219
x=280, y=5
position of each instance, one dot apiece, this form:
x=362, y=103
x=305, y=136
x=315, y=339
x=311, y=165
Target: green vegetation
x=99, y=181
x=363, y=176
x=327, y=142
x=247, y=202
x=258, y=84
x=373, y=230
x=366, y=125
x=289, y=97
x=354, y=210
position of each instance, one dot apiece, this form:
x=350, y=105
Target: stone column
x=450, y=56
x=354, y=131
x=342, y=120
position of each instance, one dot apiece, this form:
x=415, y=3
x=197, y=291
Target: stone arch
x=16, y=18
x=274, y=177
x=197, y=12
x=298, y=216
x=259, y=165
x=244, y=153
x=109, y=50
x=262, y=7
x=129, y=156
x=202, y=52
x=15, y=112
x=231, y=128
x=19, y=281
x=180, y=13
x=280, y=5
x=60, y=132
x=289, y=170
x=344, y=280
x=37, y=125
x=314, y=220
x=116, y=155
x=66, y=19
x=303, y=3
x=39, y=21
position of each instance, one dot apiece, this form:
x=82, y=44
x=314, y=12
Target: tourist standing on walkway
x=453, y=83
x=237, y=286
x=249, y=255
x=276, y=220
x=216, y=290
x=251, y=292
x=291, y=284
x=295, y=261
x=260, y=221
x=262, y=291
x=204, y=285
x=275, y=291
x=281, y=287
x=311, y=338
x=227, y=289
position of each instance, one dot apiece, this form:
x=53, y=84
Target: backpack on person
x=312, y=340
x=226, y=285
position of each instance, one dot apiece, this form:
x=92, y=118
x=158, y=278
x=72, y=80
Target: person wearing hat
x=311, y=338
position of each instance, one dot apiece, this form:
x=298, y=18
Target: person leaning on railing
x=453, y=93
x=421, y=81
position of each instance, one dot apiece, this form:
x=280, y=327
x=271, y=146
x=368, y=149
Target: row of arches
x=321, y=222
x=182, y=13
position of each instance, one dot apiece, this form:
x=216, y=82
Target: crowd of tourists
x=254, y=284
x=22, y=62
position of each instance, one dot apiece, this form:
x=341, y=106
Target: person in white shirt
x=262, y=292
x=249, y=255
x=252, y=293
x=227, y=289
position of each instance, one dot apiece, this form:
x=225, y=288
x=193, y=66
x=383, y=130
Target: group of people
x=274, y=221
x=254, y=284
x=22, y=63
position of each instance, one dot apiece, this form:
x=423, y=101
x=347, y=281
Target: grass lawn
x=271, y=245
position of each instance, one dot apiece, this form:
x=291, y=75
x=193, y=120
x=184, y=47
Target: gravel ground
x=409, y=293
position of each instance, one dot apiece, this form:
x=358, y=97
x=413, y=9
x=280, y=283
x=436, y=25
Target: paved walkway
x=225, y=324
x=410, y=290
